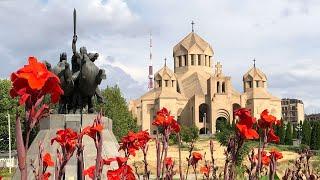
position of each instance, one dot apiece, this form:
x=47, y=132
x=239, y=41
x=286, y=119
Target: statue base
x=48, y=129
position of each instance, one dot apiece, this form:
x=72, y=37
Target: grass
x=4, y=172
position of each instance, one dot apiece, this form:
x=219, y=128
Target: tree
x=7, y=105
x=306, y=133
x=288, y=136
x=116, y=108
x=280, y=131
x=315, y=136
x=189, y=134
x=294, y=132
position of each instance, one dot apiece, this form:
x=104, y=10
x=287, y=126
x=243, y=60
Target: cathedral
x=198, y=93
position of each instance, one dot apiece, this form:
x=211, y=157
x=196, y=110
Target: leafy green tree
x=306, y=133
x=7, y=105
x=294, y=132
x=116, y=108
x=288, y=136
x=315, y=136
x=280, y=131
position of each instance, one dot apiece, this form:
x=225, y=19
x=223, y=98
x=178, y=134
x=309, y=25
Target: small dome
x=165, y=73
x=255, y=74
x=189, y=43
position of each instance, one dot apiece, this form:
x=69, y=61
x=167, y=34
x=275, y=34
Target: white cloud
x=282, y=35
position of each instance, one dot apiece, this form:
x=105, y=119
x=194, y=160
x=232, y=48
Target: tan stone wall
x=300, y=110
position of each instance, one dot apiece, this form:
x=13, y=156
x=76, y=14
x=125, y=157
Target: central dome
x=192, y=52
x=193, y=42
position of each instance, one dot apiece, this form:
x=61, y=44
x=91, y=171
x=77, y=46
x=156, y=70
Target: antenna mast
x=150, y=77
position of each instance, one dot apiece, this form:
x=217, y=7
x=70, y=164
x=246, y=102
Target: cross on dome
x=192, y=23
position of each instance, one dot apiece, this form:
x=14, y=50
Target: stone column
x=195, y=59
x=176, y=61
x=220, y=87
x=202, y=59
x=183, y=60
x=189, y=59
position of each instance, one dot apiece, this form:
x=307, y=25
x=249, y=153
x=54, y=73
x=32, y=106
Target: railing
x=7, y=162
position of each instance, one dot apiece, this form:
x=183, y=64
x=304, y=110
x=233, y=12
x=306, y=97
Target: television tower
x=150, y=76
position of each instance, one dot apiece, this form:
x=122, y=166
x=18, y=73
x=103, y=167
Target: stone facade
x=292, y=110
x=198, y=91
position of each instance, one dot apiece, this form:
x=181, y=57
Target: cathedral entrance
x=221, y=123
x=204, y=131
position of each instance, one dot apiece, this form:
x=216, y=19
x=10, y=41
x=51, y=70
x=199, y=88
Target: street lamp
x=205, y=122
x=9, y=132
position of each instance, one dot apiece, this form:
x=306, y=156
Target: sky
x=283, y=36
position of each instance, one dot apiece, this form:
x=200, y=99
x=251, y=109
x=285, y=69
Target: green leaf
x=264, y=178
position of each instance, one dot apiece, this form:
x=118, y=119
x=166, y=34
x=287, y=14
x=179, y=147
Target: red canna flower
x=67, y=138
x=92, y=131
x=245, y=124
x=45, y=176
x=272, y=137
x=124, y=171
x=266, y=120
x=166, y=121
x=134, y=141
x=245, y=117
x=205, y=170
x=90, y=172
x=265, y=159
x=278, y=155
x=34, y=81
x=120, y=160
x=168, y=162
x=47, y=160
x=246, y=132
x=195, y=158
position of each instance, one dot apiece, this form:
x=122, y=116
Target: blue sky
x=283, y=36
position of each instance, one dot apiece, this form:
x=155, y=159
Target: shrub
x=224, y=135
x=189, y=134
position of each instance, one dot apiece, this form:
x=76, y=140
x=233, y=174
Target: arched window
x=218, y=86
x=159, y=82
x=203, y=112
x=180, y=61
x=257, y=83
x=167, y=83
x=223, y=87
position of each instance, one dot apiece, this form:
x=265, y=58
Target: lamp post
x=205, y=123
x=9, y=132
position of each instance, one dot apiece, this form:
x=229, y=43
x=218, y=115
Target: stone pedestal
x=48, y=129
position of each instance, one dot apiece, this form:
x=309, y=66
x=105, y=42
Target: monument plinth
x=48, y=129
